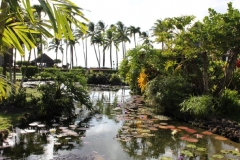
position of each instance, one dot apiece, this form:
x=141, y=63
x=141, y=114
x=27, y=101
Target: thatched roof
x=45, y=59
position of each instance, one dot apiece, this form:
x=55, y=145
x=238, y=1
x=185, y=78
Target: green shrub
x=58, y=97
x=198, y=106
x=228, y=103
x=22, y=63
x=81, y=71
x=98, y=78
x=235, y=83
x=115, y=79
x=31, y=71
x=16, y=100
x=166, y=94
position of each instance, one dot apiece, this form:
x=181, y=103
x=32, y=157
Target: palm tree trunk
x=74, y=49
x=111, y=56
x=96, y=55
x=14, y=66
x=116, y=59
x=66, y=55
x=103, y=58
x=35, y=56
x=99, y=55
x=84, y=54
x=10, y=57
x=71, y=54
x=134, y=36
x=25, y=71
x=123, y=50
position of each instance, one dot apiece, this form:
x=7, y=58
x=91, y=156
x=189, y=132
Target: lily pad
x=189, y=130
x=187, y=153
x=225, y=151
x=218, y=156
x=166, y=158
x=191, y=146
x=163, y=127
x=201, y=149
x=207, y=133
x=221, y=138
x=182, y=127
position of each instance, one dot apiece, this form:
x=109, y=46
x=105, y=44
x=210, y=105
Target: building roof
x=45, y=59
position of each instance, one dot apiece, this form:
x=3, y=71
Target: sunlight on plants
x=142, y=80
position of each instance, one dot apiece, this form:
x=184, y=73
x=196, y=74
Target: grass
x=32, y=91
x=8, y=119
x=5, y=122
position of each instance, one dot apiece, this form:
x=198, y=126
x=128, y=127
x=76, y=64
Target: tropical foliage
x=195, y=73
x=58, y=97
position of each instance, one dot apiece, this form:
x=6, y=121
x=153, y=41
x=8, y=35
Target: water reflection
x=102, y=136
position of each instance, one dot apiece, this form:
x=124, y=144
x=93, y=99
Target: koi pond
x=122, y=129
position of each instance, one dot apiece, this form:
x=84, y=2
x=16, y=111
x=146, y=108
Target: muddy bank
x=224, y=127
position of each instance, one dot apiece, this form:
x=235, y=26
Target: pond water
x=115, y=133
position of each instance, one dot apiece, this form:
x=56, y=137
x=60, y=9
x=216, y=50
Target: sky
x=143, y=14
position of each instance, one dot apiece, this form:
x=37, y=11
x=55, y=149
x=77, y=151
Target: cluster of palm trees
x=103, y=39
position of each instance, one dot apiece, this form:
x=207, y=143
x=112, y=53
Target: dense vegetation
x=196, y=72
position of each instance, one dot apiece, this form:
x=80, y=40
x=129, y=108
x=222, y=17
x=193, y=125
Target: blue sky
x=143, y=14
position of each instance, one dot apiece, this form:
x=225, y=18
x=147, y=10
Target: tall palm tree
x=99, y=40
x=92, y=32
x=102, y=27
x=79, y=35
x=145, y=38
x=55, y=45
x=133, y=31
x=122, y=35
x=39, y=10
x=162, y=30
x=111, y=39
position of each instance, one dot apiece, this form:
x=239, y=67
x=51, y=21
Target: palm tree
x=14, y=29
x=162, y=30
x=145, y=38
x=39, y=10
x=111, y=39
x=55, y=45
x=133, y=31
x=92, y=32
x=99, y=40
x=102, y=27
x=80, y=35
x=122, y=35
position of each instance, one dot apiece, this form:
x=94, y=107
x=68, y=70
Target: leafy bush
x=79, y=71
x=235, y=83
x=98, y=78
x=31, y=71
x=115, y=79
x=198, y=106
x=16, y=100
x=166, y=94
x=58, y=97
x=22, y=63
x=228, y=103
